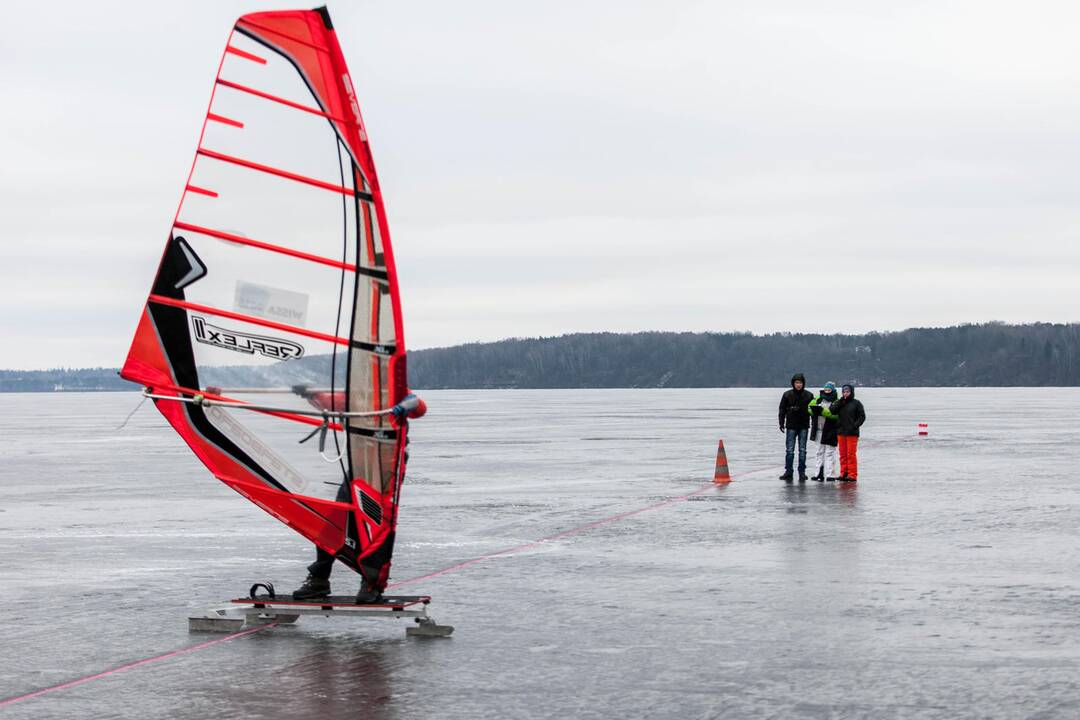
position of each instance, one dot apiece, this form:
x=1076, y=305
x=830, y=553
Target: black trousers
x=324, y=563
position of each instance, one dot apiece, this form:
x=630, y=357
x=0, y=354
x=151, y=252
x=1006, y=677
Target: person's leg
x=317, y=584
x=789, y=453
x=819, y=460
x=323, y=565
x=803, y=435
x=841, y=446
x=853, y=460
x=833, y=458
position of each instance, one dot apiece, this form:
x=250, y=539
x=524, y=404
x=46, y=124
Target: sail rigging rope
x=321, y=431
x=130, y=415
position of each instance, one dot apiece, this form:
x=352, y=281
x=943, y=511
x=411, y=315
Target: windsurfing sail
x=275, y=313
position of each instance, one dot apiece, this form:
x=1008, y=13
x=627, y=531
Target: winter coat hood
x=850, y=387
x=794, y=404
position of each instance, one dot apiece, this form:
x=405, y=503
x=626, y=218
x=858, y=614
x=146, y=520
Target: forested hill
x=968, y=355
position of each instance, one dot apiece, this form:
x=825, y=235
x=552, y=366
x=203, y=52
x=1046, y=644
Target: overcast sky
x=579, y=166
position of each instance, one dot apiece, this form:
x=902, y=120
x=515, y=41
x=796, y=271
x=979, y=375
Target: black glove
x=782, y=428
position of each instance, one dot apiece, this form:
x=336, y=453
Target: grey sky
x=584, y=166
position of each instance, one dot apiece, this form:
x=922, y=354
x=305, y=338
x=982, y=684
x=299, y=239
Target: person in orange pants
x=848, y=445
x=850, y=416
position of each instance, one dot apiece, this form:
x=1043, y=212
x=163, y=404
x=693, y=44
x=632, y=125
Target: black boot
x=819, y=477
x=787, y=477
x=312, y=589
x=802, y=477
x=367, y=594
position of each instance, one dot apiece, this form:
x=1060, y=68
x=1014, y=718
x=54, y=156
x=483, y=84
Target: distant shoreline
x=986, y=355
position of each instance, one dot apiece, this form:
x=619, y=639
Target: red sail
x=278, y=281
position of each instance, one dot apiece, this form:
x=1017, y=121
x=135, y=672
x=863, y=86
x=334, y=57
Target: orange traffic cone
x=722, y=475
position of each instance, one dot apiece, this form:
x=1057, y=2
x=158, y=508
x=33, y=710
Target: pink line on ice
x=567, y=533
x=131, y=666
x=453, y=568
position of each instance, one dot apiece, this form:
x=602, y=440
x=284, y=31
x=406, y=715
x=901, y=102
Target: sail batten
x=283, y=173
x=162, y=300
x=240, y=239
x=280, y=100
x=224, y=120
x=201, y=190
x=245, y=54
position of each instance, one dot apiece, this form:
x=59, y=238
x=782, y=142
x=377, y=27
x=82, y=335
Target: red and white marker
x=722, y=476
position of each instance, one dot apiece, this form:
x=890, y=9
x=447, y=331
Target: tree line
x=991, y=354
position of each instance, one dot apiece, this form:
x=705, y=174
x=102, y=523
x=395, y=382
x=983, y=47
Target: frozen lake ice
x=946, y=584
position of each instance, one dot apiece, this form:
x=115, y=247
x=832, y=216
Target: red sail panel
x=278, y=273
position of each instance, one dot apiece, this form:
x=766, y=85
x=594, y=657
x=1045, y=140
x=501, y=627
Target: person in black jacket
x=795, y=423
x=850, y=416
x=823, y=430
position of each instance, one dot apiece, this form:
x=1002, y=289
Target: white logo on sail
x=274, y=348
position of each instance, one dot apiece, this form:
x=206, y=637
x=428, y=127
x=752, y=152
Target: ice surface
x=945, y=585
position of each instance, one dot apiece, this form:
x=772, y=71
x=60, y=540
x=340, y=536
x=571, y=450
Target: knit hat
x=829, y=387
